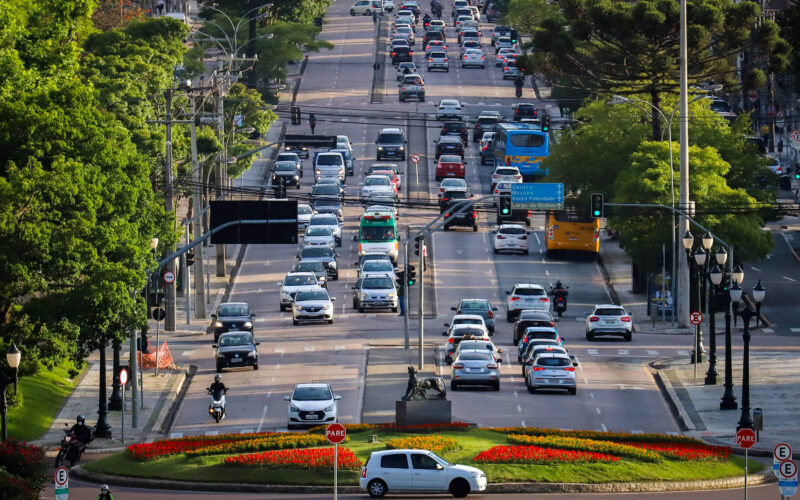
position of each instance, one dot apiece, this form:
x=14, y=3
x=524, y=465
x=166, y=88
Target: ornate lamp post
x=102, y=429
x=115, y=401
x=745, y=421
x=13, y=357
x=688, y=243
x=700, y=260
x=728, y=401
x=715, y=276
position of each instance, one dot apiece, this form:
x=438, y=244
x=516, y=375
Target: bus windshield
x=378, y=233
x=523, y=146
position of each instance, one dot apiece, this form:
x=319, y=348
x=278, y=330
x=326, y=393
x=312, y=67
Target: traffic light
x=505, y=206
x=401, y=275
x=189, y=258
x=545, y=122
x=416, y=245
x=597, y=205
x=296, y=115
x=411, y=273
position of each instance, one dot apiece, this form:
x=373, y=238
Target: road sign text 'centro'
x=537, y=196
x=335, y=433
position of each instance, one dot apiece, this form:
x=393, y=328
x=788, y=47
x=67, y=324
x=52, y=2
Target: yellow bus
x=566, y=230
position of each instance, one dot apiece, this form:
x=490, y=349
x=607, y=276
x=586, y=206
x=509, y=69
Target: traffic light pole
x=421, y=304
x=405, y=292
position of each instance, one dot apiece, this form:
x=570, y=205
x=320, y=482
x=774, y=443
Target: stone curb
x=732, y=482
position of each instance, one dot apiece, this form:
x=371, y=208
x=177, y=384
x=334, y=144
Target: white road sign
x=780, y=453
x=787, y=480
x=169, y=277
x=61, y=480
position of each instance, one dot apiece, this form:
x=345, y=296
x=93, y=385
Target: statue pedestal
x=430, y=411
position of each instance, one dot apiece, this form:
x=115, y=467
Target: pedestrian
x=401, y=298
x=160, y=7
x=375, y=17
x=312, y=122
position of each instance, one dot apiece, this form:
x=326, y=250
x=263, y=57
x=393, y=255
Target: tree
x=630, y=48
x=111, y=14
x=789, y=20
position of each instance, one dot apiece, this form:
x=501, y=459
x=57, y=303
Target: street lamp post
x=728, y=401
x=115, y=401
x=13, y=357
x=102, y=429
x=745, y=421
x=700, y=259
x=715, y=276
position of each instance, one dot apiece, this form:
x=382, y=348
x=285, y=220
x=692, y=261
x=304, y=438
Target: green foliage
x=23, y=470
x=789, y=20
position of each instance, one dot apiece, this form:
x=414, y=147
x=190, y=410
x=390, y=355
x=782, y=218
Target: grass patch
x=209, y=468
x=43, y=396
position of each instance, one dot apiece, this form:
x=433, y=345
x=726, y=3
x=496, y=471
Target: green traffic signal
x=597, y=205
x=505, y=211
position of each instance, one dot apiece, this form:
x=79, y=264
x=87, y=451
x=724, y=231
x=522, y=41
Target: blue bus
x=521, y=145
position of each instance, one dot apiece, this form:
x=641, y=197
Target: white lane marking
x=546, y=272
x=770, y=330
x=683, y=353
x=308, y=348
x=755, y=269
x=593, y=351
x=338, y=348
x=458, y=252
x=269, y=393
x=598, y=411
x=538, y=241
x=585, y=380
x=280, y=350
x=511, y=380
x=516, y=394
x=790, y=279
x=212, y=433
x=261, y=422
x=795, y=330
x=605, y=429
x=483, y=236
x=186, y=354
x=175, y=435
x=652, y=353
x=278, y=366
x=245, y=431
x=519, y=408
x=273, y=379
x=523, y=424
x=591, y=395
x=623, y=351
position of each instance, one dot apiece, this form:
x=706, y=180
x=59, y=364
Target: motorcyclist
x=217, y=385
x=407, y=70
x=83, y=432
x=426, y=20
x=519, y=81
x=559, y=290
x=105, y=493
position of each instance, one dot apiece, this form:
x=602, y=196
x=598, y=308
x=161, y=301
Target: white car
x=552, y=371
x=328, y=220
x=504, y=42
x=388, y=5
x=462, y=20
x=474, y=320
x=374, y=184
x=312, y=305
x=318, y=236
x=293, y=283
x=312, y=404
x=526, y=296
x=478, y=344
x=501, y=55
x=375, y=266
x=452, y=184
x=469, y=24
x=511, y=238
x=448, y=108
x=504, y=173
x=473, y=57
x=404, y=17
x=503, y=188
x=365, y=7
x=304, y=214
x=609, y=319
x=404, y=32
x=417, y=470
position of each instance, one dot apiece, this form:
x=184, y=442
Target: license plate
x=609, y=321
x=312, y=417
x=236, y=360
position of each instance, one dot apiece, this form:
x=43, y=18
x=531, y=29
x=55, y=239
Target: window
x=377, y=283
x=475, y=356
x=299, y=280
x=510, y=230
x=610, y=312
x=232, y=311
x=529, y=291
x=329, y=159
x=317, y=252
x=527, y=140
x=311, y=295
x=420, y=461
x=319, y=231
x=553, y=362
x=312, y=394
x=394, y=461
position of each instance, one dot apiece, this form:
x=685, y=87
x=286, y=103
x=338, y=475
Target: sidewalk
x=774, y=375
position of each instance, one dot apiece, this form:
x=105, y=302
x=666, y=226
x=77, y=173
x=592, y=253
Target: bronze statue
x=419, y=390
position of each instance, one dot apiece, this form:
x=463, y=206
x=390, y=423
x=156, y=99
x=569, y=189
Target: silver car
x=375, y=291
x=552, y=371
x=304, y=213
x=475, y=367
x=375, y=266
x=312, y=305
x=318, y=236
x=293, y=283
x=473, y=57
x=330, y=221
x=412, y=68
x=437, y=59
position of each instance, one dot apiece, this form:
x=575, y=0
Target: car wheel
x=447, y=70
x=453, y=386
x=530, y=388
x=330, y=321
x=255, y=366
x=475, y=228
x=297, y=186
x=573, y=391
x=335, y=277
x=355, y=305
x=509, y=317
x=283, y=308
x=219, y=368
x=376, y=488
x=352, y=12
x=459, y=488
x=295, y=322
x=496, y=386
x=360, y=309
x=628, y=337
x=394, y=309
x=589, y=336
x=527, y=252
x=400, y=98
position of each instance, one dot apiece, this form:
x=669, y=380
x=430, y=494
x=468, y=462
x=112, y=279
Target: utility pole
x=421, y=361
x=683, y=265
x=197, y=206
x=169, y=295
x=220, y=174
x=134, y=379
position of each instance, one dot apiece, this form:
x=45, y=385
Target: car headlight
x=380, y=148
x=365, y=296
x=391, y=295
x=401, y=148
x=218, y=324
x=298, y=308
x=332, y=263
x=330, y=408
x=476, y=474
x=252, y=354
x=294, y=408
x=220, y=355
x=327, y=307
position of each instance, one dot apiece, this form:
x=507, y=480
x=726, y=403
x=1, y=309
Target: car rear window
x=394, y=461
x=475, y=306
x=461, y=332
x=438, y=55
x=541, y=335
x=553, y=361
x=511, y=230
x=507, y=171
x=529, y=291
x=475, y=356
x=610, y=312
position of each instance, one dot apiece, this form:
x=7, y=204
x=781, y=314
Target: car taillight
x=482, y=58
x=477, y=125
x=447, y=215
x=538, y=368
x=492, y=366
x=514, y=299
x=518, y=177
x=593, y=319
x=475, y=216
x=465, y=57
x=404, y=88
x=516, y=111
x=544, y=299
x=411, y=53
x=445, y=59
x=625, y=319
x=497, y=191
x=495, y=176
x=500, y=237
x=569, y=368
x=430, y=60
x=363, y=472
x=458, y=365
x=394, y=54
x=445, y=199
x=450, y=340
x=490, y=314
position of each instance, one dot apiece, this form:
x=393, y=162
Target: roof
x=311, y=385
x=528, y=285
x=597, y=306
x=467, y=316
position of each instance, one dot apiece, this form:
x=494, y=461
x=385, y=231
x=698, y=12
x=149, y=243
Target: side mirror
x=287, y=398
x=447, y=324
x=499, y=350
x=279, y=283
x=444, y=334
x=337, y=397
x=214, y=316
x=333, y=299
x=453, y=309
x=214, y=346
x=499, y=360
x=586, y=314
x=355, y=237
x=258, y=343
x=297, y=257
x=494, y=309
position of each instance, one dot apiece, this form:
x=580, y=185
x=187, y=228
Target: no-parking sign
x=61, y=480
x=787, y=478
x=415, y=158
x=781, y=452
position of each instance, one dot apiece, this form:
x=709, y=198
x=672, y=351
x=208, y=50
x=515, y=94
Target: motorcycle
x=216, y=408
x=519, y=90
x=559, y=301
x=71, y=447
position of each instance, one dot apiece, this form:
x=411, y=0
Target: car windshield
x=311, y=295
x=311, y=267
x=319, y=231
x=553, y=361
x=474, y=306
x=238, y=339
x=378, y=233
x=377, y=283
x=609, y=312
x=292, y=157
x=285, y=166
x=317, y=252
x=327, y=220
x=335, y=159
x=233, y=310
x=327, y=189
x=377, y=181
x=475, y=356
x=303, y=209
x=374, y=266
x=511, y=230
x=299, y=280
x=312, y=394
x=390, y=138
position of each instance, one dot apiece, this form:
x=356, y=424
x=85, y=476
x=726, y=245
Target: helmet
x=217, y=377
x=558, y=284
x=81, y=419
x=104, y=487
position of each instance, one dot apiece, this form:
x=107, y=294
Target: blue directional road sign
x=537, y=196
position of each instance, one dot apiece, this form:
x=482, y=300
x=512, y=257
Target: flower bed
x=23, y=470
x=688, y=451
x=526, y=454
x=312, y=458
x=436, y=444
x=166, y=447
x=391, y=427
x=275, y=442
x=619, y=437
x=607, y=447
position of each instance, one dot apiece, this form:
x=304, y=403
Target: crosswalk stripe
x=175, y=435
x=652, y=353
x=338, y=348
x=308, y=348
x=592, y=351
x=623, y=351
x=683, y=353
x=280, y=350
x=186, y=354
x=212, y=433
x=245, y=431
x=795, y=330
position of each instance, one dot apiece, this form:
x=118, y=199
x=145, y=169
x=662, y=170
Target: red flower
x=535, y=454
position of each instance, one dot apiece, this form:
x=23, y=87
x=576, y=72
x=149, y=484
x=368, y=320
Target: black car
x=433, y=35
x=451, y=197
x=467, y=218
x=328, y=205
x=484, y=123
x=524, y=110
x=327, y=192
x=449, y=145
x=530, y=318
x=235, y=349
x=401, y=54
x=232, y=316
x=326, y=255
x=457, y=128
x=313, y=266
x=287, y=172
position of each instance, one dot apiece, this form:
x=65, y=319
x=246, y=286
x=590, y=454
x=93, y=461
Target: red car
x=450, y=166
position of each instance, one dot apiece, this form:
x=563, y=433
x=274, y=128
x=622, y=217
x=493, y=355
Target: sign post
x=415, y=159
x=794, y=137
x=537, y=196
x=695, y=318
x=787, y=478
x=123, y=380
x=335, y=433
x=745, y=438
x=61, y=479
